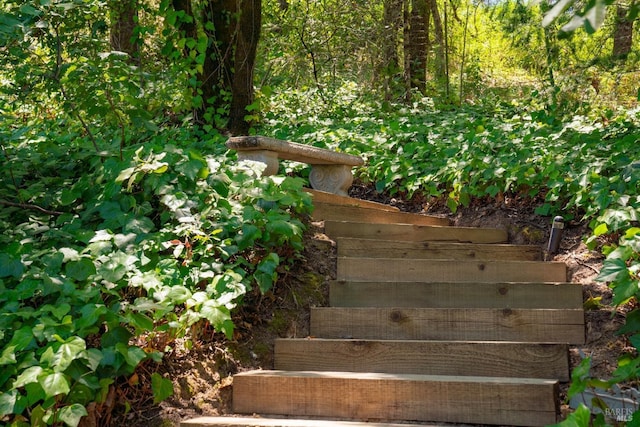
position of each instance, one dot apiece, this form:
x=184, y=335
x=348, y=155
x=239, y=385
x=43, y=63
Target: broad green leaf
x=22, y=338
x=8, y=355
x=581, y=417
x=72, y=414
x=601, y=229
x=623, y=289
x=10, y=266
x=54, y=384
x=29, y=375
x=178, y=294
x=611, y=270
x=69, y=351
x=161, y=387
x=8, y=402
x=80, y=270
x=140, y=321
x=632, y=325
x=218, y=316
x=117, y=335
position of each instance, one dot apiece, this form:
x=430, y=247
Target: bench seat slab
x=330, y=170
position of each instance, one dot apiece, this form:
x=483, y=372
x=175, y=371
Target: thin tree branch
x=31, y=207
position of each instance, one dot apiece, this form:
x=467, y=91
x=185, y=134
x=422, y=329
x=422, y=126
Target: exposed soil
x=202, y=377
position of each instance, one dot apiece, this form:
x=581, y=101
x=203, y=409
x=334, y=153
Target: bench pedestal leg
x=269, y=158
x=331, y=178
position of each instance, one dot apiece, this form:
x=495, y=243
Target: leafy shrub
x=127, y=255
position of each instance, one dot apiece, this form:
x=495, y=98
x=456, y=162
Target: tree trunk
x=418, y=41
x=440, y=62
x=220, y=25
x=392, y=22
x=227, y=78
x=242, y=94
x=124, y=14
x=623, y=36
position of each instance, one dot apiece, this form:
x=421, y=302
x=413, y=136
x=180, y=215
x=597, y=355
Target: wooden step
x=377, y=248
x=390, y=397
x=418, y=270
x=467, y=358
x=455, y=324
x=331, y=212
x=454, y=295
x=256, y=421
x=336, y=199
x=415, y=233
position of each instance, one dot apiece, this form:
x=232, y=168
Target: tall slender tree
x=124, y=18
x=623, y=33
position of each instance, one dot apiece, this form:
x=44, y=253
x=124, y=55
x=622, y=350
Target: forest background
x=129, y=234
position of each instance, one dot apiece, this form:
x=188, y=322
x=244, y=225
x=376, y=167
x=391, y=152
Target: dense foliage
x=127, y=230
x=105, y=263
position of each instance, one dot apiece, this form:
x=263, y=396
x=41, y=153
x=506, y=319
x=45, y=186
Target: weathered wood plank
x=415, y=233
x=255, y=421
x=468, y=358
x=366, y=396
x=378, y=248
x=455, y=295
x=331, y=212
x=416, y=270
x=455, y=324
x=336, y=199
x=294, y=151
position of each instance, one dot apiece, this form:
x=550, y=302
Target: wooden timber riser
x=378, y=248
x=454, y=324
x=427, y=324
x=464, y=358
x=412, y=270
x=414, y=233
x=376, y=396
x=262, y=421
x=331, y=212
x=454, y=295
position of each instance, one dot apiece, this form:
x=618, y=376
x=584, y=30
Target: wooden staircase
x=427, y=323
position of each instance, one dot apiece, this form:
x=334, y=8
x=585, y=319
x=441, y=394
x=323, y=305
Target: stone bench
x=330, y=170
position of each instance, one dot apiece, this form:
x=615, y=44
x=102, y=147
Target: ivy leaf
x=72, y=414
x=611, y=270
x=10, y=266
x=218, y=316
x=632, y=326
x=69, y=351
x=161, y=387
x=28, y=376
x=8, y=402
x=80, y=270
x=54, y=384
x=580, y=417
x=117, y=335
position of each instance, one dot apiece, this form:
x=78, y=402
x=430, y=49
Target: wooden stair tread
x=455, y=294
x=336, y=199
x=358, y=396
x=470, y=358
x=418, y=270
x=332, y=212
x=291, y=422
x=379, y=248
x=455, y=324
x=410, y=232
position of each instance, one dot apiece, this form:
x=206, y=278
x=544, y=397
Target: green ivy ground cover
x=99, y=256
x=582, y=167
